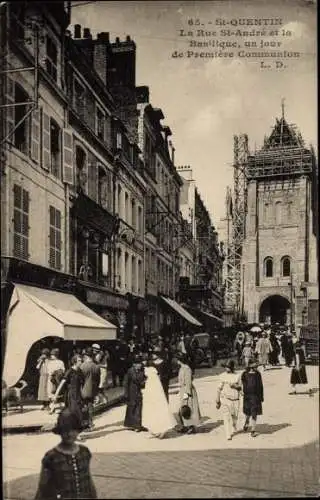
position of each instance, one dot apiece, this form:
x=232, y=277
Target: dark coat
x=91, y=383
x=73, y=399
x=133, y=385
x=252, y=393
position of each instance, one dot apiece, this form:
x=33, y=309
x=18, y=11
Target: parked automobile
x=204, y=353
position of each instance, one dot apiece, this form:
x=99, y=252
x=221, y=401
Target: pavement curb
x=28, y=429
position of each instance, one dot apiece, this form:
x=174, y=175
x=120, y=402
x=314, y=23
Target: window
x=79, y=98
x=21, y=133
x=51, y=58
x=55, y=238
x=278, y=212
x=81, y=168
x=20, y=222
x=133, y=213
x=100, y=118
x=126, y=207
x=126, y=269
x=268, y=266
x=55, y=149
x=286, y=266
x=104, y=189
x=140, y=221
x=133, y=274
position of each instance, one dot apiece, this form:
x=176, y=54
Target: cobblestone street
x=282, y=461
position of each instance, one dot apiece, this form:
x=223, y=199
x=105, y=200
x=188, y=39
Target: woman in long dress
x=42, y=366
x=74, y=380
x=187, y=396
x=156, y=414
x=298, y=372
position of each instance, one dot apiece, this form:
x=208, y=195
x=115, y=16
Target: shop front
x=182, y=320
x=42, y=310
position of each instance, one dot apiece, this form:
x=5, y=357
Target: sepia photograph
x=159, y=249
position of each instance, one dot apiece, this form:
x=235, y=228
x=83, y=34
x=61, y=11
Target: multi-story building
x=279, y=259
x=116, y=184
x=38, y=196
x=204, y=294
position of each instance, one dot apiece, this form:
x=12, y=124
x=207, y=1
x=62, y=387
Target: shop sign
x=107, y=300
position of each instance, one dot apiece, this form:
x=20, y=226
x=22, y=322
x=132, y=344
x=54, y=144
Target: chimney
x=86, y=33
x=103, y=36
x=77, y=31
x=117, y=40
x=128, y=39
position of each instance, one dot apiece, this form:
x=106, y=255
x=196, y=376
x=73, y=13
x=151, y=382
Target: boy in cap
x=228, y=398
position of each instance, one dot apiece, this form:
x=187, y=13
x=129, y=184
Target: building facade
x=279, y=266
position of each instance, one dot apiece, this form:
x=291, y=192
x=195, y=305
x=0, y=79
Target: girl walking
x=252, y=387
x=65, y=471
x=298, y=373
x=156, y=414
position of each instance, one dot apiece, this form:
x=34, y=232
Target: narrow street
x=282, y=461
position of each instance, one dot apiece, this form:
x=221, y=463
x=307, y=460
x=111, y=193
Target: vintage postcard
x=159, y=249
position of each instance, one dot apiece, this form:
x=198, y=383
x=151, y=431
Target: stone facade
x=279, y=262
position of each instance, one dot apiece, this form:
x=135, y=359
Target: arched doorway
x=275, y=309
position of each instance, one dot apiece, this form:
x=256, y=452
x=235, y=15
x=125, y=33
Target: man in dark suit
x=90, y=388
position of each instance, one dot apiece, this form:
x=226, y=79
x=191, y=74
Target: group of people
x=266, y=346
x=81, y=385
x=146, y=394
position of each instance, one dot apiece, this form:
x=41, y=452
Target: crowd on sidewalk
x=147, y=403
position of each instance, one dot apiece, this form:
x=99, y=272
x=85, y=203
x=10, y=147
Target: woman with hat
x=156, y=414
x=188, y=397
x=65, y=471
x=228, y=398
x=134, y=383
x=252, y=387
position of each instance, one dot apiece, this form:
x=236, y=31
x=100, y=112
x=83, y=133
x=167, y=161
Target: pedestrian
x=188, y=397
x=247, y=353
x=134, y=383
x=42, y=366
x=263, y=348
x=181, y=346
x=298, y=373
x=56, y=370
x=73, y=379
x=238, y=346
x=252, y=387
x=156, y=414
x=90, y=386
x=228, y=397
x=289, y=353
x=164, y=368
x=65, y=471
x=100, y=358
x=274, y=353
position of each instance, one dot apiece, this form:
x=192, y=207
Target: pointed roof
x=283, y=135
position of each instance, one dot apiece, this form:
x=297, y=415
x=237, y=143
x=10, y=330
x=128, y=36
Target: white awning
x=35, y=313
x=181, y=311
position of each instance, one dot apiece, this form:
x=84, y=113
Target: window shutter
x=10, y=99
x=46, y=154
x=67, y=167
x=119, y=140
x=35, y=135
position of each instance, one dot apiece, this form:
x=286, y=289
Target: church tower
x=279, y=258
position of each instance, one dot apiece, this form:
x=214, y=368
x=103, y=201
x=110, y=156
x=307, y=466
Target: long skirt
x=298, y=375
x=156, y=414
x=43, y=388
x=133, y=418
x=252, y=405
x=193, y=403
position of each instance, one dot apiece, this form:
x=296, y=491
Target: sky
x=206, y=101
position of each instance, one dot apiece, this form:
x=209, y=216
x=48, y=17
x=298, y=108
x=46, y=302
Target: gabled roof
x=283, y=135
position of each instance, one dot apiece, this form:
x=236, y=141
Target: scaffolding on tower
x=236, y=214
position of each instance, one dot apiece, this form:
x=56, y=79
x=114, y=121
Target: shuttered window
x=55, y=238
x=20, y=222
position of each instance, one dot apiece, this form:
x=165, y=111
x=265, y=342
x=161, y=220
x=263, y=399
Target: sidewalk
x=32, y=419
